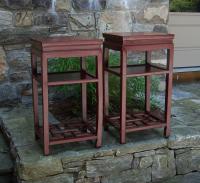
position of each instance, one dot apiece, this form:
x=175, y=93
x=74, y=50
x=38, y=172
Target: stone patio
x=147, y=156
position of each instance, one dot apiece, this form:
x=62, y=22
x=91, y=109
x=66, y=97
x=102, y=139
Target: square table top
x=137, y=35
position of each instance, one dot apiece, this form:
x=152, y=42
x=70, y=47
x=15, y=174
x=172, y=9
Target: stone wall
x=21, y=19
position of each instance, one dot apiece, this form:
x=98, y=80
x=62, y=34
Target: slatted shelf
x=138, y=121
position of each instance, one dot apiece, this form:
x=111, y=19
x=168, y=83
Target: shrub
x=185, y=5
x=136, y=85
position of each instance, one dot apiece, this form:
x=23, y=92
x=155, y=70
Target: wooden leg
x=148, y=85
x=45, y=103
x=123, y=97
x=105, y=85
x=99, y=96
x=84, y=92
x=169, y=80
x=35, y=94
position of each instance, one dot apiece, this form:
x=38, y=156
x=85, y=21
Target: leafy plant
x=136, y=85
x=185, y=5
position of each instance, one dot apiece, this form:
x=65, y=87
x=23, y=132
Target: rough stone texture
x=104, y=166
x=23, y=18
x=189, y=178
x=6, y=163
x=3, y=64
x=5, y=19
x=83, y=21
x=129, y=176
x=8, y=92
x=91, y=5
x=188, y=161
x=163, y=165
x=41, y=168
x=63, y=5
x=115, y=21
x=62, y=178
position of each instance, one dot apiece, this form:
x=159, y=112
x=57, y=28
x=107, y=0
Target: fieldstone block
x=73, y=166
x=183, y=137
x=124, y=4
x=62, y=178
x=133, y=175
x=144, y=153
x=6, y=19
x=163, y=166
x=183, y=162
x=20, y=76
x=114, y=21
x=16, y=4
x=85, y=5
x=63, y=5
x=89, y=180
x=23, y=18
x=38, y=169
x=42, y=3
x=107, y=165
x=146, y=162
x=47, y=18
x=8, y=92
x=3, y=64
x=6, y=163
x=156, y=13
x=188, y=161
x=82, y=21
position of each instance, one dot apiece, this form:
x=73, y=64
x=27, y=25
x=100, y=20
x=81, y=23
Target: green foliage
x=136, y=85
x=185, y=5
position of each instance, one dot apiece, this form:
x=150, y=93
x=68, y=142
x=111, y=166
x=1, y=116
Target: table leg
x=105, y=83
x=169, y=80
x=35, y=93
x=84, y=91
x=99, y=95
x=45, y=103
x=123, y=68
x=148, y=85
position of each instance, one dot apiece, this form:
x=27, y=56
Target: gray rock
x=8, y=92
x=108, y=165
x=89, y=180
x=129, y=176
x=183, y=137
x=3, y=64
x=82, y=21
x=183, y=162
x=163, y=166
x=146, y=162
x=6, y=19
x=6, y=163
x=84, y=5
x=3, y=146
x=145, y=153
x=23, y=18
x=41, y=168
x=62, y=178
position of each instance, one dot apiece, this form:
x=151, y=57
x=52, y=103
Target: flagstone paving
x=145, y=152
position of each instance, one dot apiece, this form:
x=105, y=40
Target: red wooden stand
x=146, y=42
x=71, y=131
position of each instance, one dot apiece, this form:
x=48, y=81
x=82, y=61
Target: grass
x=135, y=91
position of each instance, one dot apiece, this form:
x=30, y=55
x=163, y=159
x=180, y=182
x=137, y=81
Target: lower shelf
x=72, y=131
x=137, y=121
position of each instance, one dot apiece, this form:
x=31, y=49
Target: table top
x=65, y=40
x=137, y=35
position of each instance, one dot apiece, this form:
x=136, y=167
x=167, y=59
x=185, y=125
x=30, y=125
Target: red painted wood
x=62, y=47
x=145, y=42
